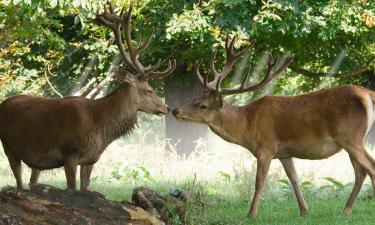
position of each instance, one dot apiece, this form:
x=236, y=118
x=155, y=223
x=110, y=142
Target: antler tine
x=232, y=57
x=159, y=75
x=197, y=65
x=212, y=66
x=115, y=26
x=266, y=79
x=245, y=50
x=111, y=8
x=146, y=43
x=151, y=69
x=133, y=52
x=121, y=48
x=130, y=55
x=229, y=45
x=284, y=65
x=202, y=79
x=217, y=87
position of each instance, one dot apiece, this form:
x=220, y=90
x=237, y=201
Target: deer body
x=76, y=127
x=282, y=121
x=48, y=133
x=311, y=126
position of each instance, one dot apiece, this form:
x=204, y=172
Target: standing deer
x=311, y=126
x=48, y=133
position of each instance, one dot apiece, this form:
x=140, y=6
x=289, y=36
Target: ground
x=229, y=210
x=220, y=184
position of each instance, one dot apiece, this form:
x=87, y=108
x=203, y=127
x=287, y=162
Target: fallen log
x=43, y=204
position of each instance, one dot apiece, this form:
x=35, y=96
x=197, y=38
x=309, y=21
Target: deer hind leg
x=372, y=162
x=15, y=165
x=293, y=177
x=263, y=164
x=85, y=176
x=34, y=176
x=70, y=173
x=360, y=175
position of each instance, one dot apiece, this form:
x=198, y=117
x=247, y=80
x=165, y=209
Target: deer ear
x=219, y=101
x=122, y=76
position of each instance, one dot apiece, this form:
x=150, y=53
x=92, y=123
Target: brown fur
x=49, y=133
x=311, y=126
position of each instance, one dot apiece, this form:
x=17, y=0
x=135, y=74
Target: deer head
x=137, y=76
x=204, y=108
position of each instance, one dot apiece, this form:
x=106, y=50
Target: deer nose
x=175, y=112
x=168, y=109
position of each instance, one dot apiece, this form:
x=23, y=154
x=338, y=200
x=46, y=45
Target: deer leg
x=85, y=176
x=15, y=165
x=360, y=175
x=293, y=177
x=34, y=176
x=361, y=157
x=70, y=173
x=263, y=164
x=372, y=162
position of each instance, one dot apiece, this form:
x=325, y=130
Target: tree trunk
x=43, y=204
x=180, y=89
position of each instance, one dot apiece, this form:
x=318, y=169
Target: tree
x=333, y=43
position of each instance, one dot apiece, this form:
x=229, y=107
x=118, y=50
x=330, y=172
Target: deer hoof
x=347, y=211
x=304, y=213
x=251, y=216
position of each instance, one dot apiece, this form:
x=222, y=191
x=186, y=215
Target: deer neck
x=117, y=113
x=230, y=123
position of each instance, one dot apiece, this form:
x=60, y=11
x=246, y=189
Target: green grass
x=219, y=204
x=229, y=209
x=322, y=211
x=217, y=196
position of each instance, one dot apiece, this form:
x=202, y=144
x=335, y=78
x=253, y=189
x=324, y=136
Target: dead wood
x=43, y=204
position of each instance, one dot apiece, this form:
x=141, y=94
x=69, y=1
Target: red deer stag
x=311, y=126
x=49, y=133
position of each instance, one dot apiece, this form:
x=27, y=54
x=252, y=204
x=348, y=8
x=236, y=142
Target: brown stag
x=47, y=133
x=311, y=126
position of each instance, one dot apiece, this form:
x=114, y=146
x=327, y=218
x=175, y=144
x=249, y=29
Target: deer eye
x=149, y=92
x=204, y=107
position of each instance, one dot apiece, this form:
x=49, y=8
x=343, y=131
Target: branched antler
x=218, y=77
x=119, y=23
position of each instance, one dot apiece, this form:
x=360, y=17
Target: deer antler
x=231, y=59
x=130, y=56
x=271, y=74
x=214, y=85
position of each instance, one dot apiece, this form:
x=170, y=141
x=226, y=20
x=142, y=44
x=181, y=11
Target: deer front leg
x=70, y=173
x=85, y=176
x=293, y=177
x=263, y=164
x=16, y=166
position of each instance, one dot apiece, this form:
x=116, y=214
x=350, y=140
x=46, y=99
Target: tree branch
x=85, y=88
x=309, y=73
x=101, y=85
x=49, y=83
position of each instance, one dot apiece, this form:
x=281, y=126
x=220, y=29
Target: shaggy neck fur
x=228, y=123
x=117, y=113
